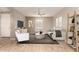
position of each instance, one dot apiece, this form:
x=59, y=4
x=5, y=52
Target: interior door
x=5, y=25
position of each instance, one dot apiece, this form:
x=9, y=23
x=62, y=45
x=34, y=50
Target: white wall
x=47, y=23
x=64, y=12
x=9, y=21
x=15, y=15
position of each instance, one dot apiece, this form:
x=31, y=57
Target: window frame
x=59, y=22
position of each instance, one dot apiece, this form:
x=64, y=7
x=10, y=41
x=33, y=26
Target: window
x=39, y=25
x=59, y=22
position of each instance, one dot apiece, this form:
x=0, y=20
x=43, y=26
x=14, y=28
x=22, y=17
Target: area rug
x=46, y=40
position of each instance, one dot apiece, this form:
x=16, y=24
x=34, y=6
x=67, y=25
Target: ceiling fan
x=40, y=12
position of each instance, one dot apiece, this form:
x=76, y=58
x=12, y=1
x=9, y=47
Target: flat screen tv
x=20, y=24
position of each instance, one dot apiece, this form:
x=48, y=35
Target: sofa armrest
x=22, y=37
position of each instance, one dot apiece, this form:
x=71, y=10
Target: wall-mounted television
x=20, y=24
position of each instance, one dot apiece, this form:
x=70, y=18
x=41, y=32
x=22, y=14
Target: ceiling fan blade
x=40, y=12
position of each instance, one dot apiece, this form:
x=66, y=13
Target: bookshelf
x=71, y=31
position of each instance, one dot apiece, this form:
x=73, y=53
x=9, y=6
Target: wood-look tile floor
x=10, y=45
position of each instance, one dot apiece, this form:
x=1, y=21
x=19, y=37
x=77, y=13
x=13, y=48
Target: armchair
x=21, y=36
x=58, y=35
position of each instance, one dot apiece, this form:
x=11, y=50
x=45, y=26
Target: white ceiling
x=4, y=9
x=33, y=11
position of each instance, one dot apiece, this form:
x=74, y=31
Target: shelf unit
x=77, y=32
x=72, y=34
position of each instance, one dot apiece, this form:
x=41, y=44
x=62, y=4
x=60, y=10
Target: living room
x=45, y=28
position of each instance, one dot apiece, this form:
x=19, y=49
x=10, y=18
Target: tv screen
x=19, y=24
